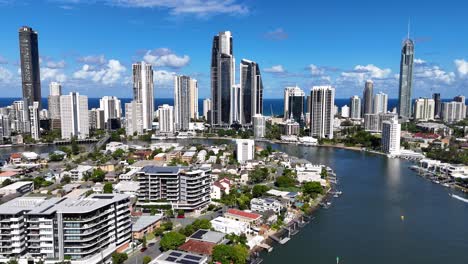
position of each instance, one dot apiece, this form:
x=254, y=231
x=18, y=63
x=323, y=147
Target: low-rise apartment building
x=265, y=204
x=82, y=230
x=186, y=188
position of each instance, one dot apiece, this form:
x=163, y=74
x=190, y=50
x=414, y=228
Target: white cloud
x=164, y=79
x=362, y=73
x=93, y=59
x=316, y=71
x=419, y=61
x=277, y=34
x=433, y=75
x=107, y=75
x=52, y=74
x=462, y=67
x=55, y=64
x=195, y=7
x=3, y=60
x=275, y=69
x=164, y=57
x=5, y=75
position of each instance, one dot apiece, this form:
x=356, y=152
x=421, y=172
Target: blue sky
x=90, y=45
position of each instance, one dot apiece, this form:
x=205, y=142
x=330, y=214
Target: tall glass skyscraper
x=406, y=79
x=294, y=104
x=182, y=98
x=252, y=91
x=30, y=70
x=143, y=91
x=438, y=105
x=367, y=97
x=222, y=78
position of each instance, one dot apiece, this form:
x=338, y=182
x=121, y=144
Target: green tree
x=6, y=182
x=144, y=242
x=146, y=259
x=258, y=175
x=285, y=182
x=195, y=226
x=75, y=149
x=65, y=179
x=226, y=254
x=172, y=240
x=118, y=154
x=119, y=258
x=323, y=173
x=98, y=175
x=259, y=190
x=312, y=188
x=108, y=188
x=12, y=261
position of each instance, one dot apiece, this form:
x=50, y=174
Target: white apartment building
x=424, y=109
x=166, y=118
x=134, y=118
x=236, y=104
x=34, y=120
x=78, y=173
x=186, y=188
x=143, y=92
x=111, y=106
x=345, y=111
x=391, y=131
x=96, y=119
x=355, y=107
x=245, y=149
x=83, y=230
x=371, y=122
x=265, y=204
x=259, y=125
x=206, y=108
x=321, y=116
x=380, y=103
x=309, y=173
x=55, y=91
x=74, y=116
x=230, y=226
x=453, y=111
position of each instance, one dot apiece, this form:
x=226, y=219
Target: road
x=152, y=251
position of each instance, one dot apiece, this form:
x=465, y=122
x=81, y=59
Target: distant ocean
x=269, y=105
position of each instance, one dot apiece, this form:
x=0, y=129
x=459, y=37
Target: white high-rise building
x=259, y=122
x=143, y=91
x=391, y=131
x=236, y=104
x=166, y=118
x=245, y=149
x=20, y=117
x=355, y=102
x=321, y=116
x=345, y=111
x=111, y=106
x=371, y=122
x=133, y=118
x=34, y=120
x=193, y=99
x=453, y=111
x=424, y=109
x=74, y=116
x=96, y=119
x=182, y=107
x=206, y=108
x=380, y=103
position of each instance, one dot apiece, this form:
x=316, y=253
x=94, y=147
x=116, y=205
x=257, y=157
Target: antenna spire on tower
x=409, y=27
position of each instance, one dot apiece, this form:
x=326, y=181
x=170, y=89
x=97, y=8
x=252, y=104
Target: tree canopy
x=172, y=240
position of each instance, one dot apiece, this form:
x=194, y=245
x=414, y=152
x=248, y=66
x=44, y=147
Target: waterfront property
x=176, y=256
x=85, y=231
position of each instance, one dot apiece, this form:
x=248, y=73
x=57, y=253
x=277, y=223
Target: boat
x=458, y=197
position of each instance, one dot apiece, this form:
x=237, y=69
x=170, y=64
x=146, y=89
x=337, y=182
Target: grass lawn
x=150, y=236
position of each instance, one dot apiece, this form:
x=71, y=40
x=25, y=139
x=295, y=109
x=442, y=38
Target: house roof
x=244, y=214
x=8, y=173
x=15, y=156
x=199, y=247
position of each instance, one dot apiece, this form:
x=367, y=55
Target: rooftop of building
x=198, y=247
x=16, y=185
x=144, y=221
x=244, y=214
x=176, y=256
x=208, y=236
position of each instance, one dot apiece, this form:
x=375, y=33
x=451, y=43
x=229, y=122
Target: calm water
x=364, y=225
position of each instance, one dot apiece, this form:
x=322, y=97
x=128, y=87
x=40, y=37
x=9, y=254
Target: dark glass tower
x=30, y=71
x=406, y=79
x=438, y=105
x=252, y=91
x=367, y=107
x=222, y=78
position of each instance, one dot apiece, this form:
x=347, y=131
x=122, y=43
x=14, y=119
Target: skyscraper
x=380, y=103
x=134, y=118
x=406, y=79
x=206, y=108
x=55, y=91
x=34, y=119
x=193, y=98
x=30, y=70
x=222, y=77
x=294, y=104
x=355, y=103
x=453, y=111
x=143, y=91
x=252, y=90
x=390, y=141
x=166, y=118
x=345, y=111
x=258, y=121
x=438, y=105
x=96, y=119
x=182, y=102
x=236, y=105
x=368, y=97
x=74, y=116
x=321, y=111
x=460, y=99
x=111, y=106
